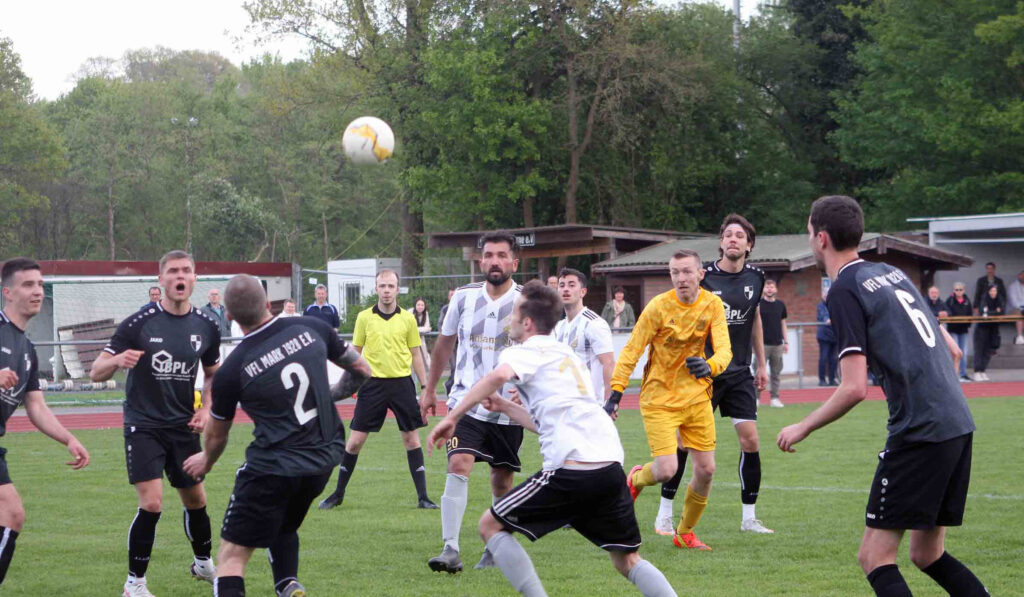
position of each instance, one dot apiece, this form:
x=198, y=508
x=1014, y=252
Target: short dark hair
x=684, y=253
x=501, y=237
x=618, y=289
x=541, y=304
x=568, y=271
x=743, y=223
x=992, y=263
x=772, y=280
x=246, y=300
x=15, y=265
x=841, y=217
x=152, y=288
x=175, y=254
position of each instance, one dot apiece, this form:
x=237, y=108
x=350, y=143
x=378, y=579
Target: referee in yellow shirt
x=676, y=392
x=389, y=340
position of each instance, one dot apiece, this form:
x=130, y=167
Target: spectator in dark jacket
x=958, y=305
x=828, y=359
x=935, y=302
x=986, y=335
x=989, y=279
x=323, y=310
x=216, y=311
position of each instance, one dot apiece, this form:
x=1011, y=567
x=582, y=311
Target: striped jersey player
x=585, y=331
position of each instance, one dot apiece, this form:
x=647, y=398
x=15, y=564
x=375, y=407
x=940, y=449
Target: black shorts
x=378, y=395
x=734, y=396
x=264, y=507
x=497, y=445
x=151, y=452
x=5, y=476
x=921, y=485
x=595, y=502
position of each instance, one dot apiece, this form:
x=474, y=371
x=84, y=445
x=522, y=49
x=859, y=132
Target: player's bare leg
x=877, y=558
x=233, y=559
x=417, y=469
x=696, y=500
x=750, y=475
x=197, y=529
x=453, y=508
x=928, y=553
x=648, y=579
x=12, y=519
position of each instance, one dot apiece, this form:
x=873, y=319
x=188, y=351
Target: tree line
x=511, y=113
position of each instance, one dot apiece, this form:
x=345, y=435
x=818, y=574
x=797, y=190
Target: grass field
x=377, y=543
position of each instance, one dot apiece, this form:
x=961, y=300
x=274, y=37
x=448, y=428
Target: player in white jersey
x=478, y=315
x=586, y=332
x=581, y=483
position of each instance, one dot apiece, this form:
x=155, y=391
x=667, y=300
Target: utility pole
x=737, y=20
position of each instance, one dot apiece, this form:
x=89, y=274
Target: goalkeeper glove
x=612, y=404
x=698, y=367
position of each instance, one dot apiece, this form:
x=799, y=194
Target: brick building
x=787, y=258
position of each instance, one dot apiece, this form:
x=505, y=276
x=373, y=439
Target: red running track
x=630, y=401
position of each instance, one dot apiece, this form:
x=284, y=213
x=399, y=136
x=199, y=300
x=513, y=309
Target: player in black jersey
x=22, y=284
x=735, y=391
x=162, y=347
x=882, y=322
x=278, y=374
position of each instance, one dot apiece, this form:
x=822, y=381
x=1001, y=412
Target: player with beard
x=739, y=285
x=478, y=317
x=585, y=332
x=22, y=284
x=883, y=323
x=162, y=348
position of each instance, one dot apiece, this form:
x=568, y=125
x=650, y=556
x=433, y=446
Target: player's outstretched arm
x=851, y=391
x=106, y=364
x=215, y=439
x=516, y=412
x=44, y=420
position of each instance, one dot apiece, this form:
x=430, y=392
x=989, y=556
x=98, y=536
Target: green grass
x=377, y=543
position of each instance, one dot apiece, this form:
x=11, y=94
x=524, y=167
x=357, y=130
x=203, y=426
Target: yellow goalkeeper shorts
x=695, y=424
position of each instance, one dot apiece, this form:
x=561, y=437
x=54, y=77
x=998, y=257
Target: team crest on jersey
x=197, y=342
x=748, y=291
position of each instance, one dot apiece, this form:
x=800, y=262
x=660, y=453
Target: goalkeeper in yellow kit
x=676, y=392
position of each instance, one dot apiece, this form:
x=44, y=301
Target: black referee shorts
x=921, y=485
x=595, y=502
x=151, y=452
x=378, y=395
x=264, y=507
x=734, y=396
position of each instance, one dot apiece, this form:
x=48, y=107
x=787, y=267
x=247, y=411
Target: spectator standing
x=617, y=312
x=422, y=316
x=553, y=283
x=989, y=279
x=986, y=335
x=154, y=298
x=323, y=310
x=773, y=322
x=1015, y=302
x=935, y=302
x=288, y=309
x=958, y=305
x=217, y=312
x=828, y=360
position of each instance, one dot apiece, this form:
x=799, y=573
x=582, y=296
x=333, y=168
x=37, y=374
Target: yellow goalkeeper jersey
x=674, y=331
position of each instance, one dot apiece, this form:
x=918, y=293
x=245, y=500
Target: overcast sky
x=55, y=37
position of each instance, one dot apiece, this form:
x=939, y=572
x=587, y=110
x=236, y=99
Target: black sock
x=197, y=529
x=669, y=488
x=140, y=541
x=418, y=472
x=750, y=476
x=284, y=559
x=954, y=577
x=348, y=464
x=888, y=582
x=7, y=539
x=229, y=586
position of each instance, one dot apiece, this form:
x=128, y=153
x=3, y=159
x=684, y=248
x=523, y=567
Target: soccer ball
x=368, y=140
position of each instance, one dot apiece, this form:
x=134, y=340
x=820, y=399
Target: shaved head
x=246, y=301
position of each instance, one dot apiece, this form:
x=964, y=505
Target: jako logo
x=164, y=363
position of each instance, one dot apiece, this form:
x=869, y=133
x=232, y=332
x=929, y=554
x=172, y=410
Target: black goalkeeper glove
x=612, y=404
x=698, y=367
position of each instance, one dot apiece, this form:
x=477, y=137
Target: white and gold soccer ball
x=368, y=140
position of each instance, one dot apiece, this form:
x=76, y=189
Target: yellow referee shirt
x=385, y=339
x=674, y=331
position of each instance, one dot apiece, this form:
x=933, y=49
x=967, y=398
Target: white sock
x=748, y=511
x=650, y=580
x=665, y=509
x=510, y=556
x=453, y=506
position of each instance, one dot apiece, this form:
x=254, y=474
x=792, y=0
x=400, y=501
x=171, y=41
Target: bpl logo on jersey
x=164, y=364
x=197, y=342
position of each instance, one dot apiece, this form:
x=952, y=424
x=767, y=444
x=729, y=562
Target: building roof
x=785, y=252
x=981, y=228
x=150, y=268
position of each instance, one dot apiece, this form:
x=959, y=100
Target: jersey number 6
x=297, y=370
x=918, y=317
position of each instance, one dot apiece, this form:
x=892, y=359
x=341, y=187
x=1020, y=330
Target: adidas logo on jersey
x=492, y=315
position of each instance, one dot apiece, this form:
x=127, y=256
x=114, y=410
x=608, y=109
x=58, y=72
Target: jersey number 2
x=918, y=317
x=299, y=373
